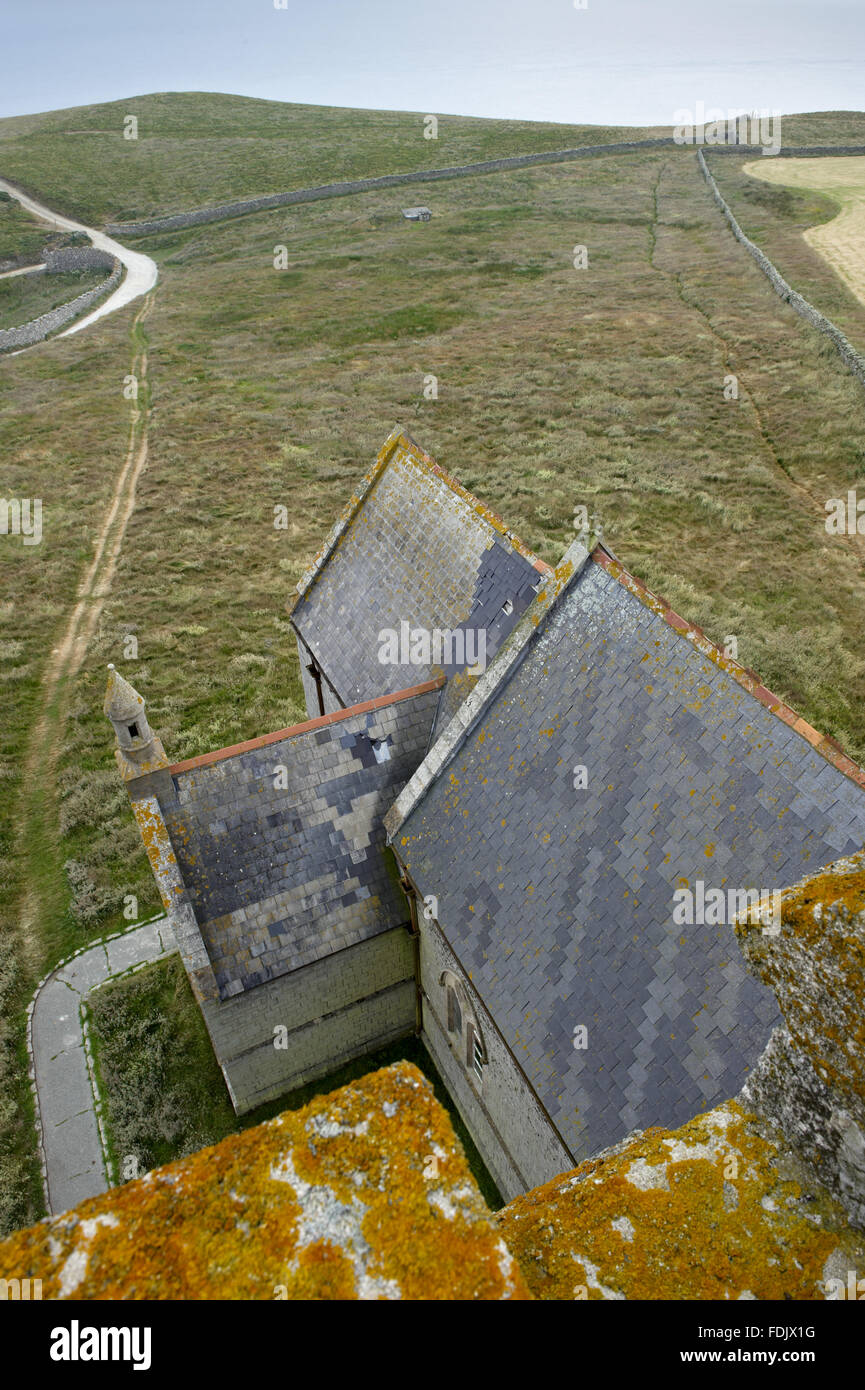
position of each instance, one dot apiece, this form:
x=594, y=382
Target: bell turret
x=138, y=749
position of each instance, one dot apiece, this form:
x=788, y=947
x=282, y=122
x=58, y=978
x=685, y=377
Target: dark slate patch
x=301, y=856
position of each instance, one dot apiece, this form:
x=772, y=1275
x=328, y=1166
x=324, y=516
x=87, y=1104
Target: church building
x=509, y=780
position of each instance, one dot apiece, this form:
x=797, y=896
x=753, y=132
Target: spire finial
x=138, y=749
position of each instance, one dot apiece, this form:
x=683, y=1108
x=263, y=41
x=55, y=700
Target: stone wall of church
x=515, y=1138
x=303, y=1025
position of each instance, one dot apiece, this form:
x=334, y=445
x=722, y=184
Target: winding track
x=141, y=272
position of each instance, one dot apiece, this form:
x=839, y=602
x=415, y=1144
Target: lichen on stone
x=338, y=1200
x=714, y=1210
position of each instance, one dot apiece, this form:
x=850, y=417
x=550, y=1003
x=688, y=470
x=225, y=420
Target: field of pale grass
x=841, y=241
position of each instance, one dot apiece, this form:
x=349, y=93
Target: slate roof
x=558, y=902
x=413, y=547
x=281, y=877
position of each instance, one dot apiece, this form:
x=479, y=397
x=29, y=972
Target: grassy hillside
x=775, y=218
x=21, y=237
x=198, y=148
x=556, y=387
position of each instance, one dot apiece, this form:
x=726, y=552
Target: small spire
x=138, y=750
x=122, y=702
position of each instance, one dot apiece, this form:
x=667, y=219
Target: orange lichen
x=364, y=1193
x=712, y=1210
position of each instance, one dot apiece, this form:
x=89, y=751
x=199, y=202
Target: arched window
x=464, y=1031
x=455, y=1013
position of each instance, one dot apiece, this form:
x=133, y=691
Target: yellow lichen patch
x=364, y=1193
x=712, y=1210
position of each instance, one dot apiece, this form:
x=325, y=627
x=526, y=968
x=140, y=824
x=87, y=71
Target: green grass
x=195, y=149
x=556, y=387
x=552, y=389
x=23, y=238
x=162, y=1088
x=25, y=297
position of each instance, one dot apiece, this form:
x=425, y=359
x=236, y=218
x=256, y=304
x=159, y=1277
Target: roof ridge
x=400, y=438
x=306, y=726
x=509, y=656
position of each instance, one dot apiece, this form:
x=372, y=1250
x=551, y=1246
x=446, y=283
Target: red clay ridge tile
x=219, y=754
x=673, y=618
x=807, y=731
x=765, y=696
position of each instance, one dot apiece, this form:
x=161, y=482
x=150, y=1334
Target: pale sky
x=624, y=62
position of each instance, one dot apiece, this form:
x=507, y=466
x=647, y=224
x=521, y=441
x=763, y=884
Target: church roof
x=280, y=840
x=413, y=547
x=557, y=898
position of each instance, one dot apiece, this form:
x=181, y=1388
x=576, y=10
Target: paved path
x=23, y=270
x=71, y=1145
x=141, y=272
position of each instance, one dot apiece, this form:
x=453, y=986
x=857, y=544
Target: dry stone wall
x=46, y=324
x=65, y=259
x=854, y=360
x=181, y=220
x=222, y=211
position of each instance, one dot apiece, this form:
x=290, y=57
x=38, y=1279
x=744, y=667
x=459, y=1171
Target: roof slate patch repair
x=284, y=869
x=413, y=547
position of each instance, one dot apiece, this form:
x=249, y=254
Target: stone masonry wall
x=810, y=1081
x=70, y=258
x=339, y=190
x=338, y=1008
x=854, y=360
x=310, y=693
x=180, y=220
x=516, y=1140
x=46, y=324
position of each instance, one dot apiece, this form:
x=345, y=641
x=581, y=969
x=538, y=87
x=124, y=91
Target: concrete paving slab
x=76, y=1170
x=86, y=970
x=71, y=1141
